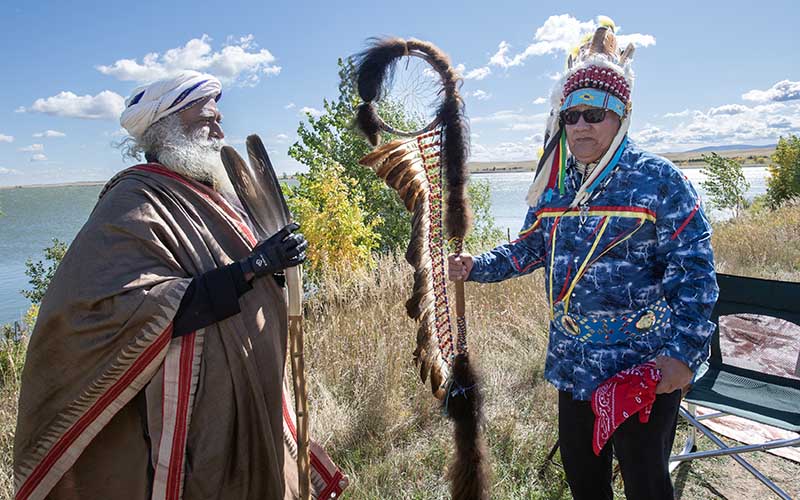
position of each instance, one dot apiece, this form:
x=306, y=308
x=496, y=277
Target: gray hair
x=152, y=140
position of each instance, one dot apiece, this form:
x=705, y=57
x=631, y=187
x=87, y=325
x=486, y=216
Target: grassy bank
x=383, y=427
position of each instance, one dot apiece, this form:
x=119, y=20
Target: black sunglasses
x=591, y=115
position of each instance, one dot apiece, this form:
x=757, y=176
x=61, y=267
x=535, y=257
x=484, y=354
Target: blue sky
x=721, y=73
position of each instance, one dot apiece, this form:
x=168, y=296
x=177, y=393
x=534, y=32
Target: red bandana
x=626, y=393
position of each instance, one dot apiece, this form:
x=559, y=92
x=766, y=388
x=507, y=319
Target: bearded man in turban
x=629, y=277
x=156, y=367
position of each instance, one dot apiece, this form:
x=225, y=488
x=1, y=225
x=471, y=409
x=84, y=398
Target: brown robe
x=112, y=406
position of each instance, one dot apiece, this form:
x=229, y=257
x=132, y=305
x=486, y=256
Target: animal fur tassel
x=468, y=472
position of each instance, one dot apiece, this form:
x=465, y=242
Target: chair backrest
x=738, y=295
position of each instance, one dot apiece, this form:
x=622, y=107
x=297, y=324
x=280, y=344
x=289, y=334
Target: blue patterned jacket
x=634, y=272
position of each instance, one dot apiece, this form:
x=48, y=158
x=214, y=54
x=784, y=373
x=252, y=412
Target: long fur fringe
x=469, y=472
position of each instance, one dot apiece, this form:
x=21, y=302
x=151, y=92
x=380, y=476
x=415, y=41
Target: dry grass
x=761, y=244
x=8, y=421
x=385, y=429
x=383, y=425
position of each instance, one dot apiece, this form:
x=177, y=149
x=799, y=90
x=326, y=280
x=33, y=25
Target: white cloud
x=239, y=62
x=281, y=137
x=20, y=109
x=679, y=114
x=50, y=133
x=7, y=171
x=39, y=157
x=289, y=106
x=524, y=150
x=305, y=110
x=537, y=138
x=784, y=90
x=481, y=95
x=478, y=73
x=105, y=105
x=524, y=126
x=6, y=138
x=513, y=120
x=558, y=34
x=539, y=100
x=32, y=148
x=780, y=122
x=728, y=109
x=499, y=58
x=637, y=39
x=727, y=124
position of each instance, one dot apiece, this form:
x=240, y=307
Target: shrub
x=784, y=180
x=725, y=183
x=327, y=205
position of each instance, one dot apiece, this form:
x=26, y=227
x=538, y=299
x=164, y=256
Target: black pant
x=642, y=450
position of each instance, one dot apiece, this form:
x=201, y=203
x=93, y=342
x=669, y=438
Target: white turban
x=150, y=103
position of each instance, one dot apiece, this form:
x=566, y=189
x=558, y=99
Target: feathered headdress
x=597, y=74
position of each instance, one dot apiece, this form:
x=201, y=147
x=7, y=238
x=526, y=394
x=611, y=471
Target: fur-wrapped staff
x=425, y=166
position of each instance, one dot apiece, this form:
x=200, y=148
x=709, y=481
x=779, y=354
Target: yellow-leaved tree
x=328, y=208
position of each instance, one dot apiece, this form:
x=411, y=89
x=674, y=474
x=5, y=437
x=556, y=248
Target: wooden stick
x=297, y=359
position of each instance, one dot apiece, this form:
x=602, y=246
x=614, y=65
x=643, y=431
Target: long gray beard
x=192, y=156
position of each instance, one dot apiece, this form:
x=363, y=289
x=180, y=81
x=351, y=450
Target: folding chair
x=732, y=390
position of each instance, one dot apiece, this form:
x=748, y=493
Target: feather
x=607, y=22
x=627, y=54
x=604, y=42
x=400, y=165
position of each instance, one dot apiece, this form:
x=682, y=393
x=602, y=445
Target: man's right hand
x=281, y=250
x=459, y=266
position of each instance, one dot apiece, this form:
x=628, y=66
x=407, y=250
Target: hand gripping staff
x=428, y=169
x=260, y=193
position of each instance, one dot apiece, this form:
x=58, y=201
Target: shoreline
x=481, y=171
x=55, y=185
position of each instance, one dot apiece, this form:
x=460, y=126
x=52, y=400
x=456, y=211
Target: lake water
x=34, y=216
x=509, y=190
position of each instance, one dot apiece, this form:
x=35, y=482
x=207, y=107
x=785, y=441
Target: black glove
x=281, y=250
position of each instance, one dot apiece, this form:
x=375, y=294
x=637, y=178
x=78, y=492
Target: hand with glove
x=281, y=250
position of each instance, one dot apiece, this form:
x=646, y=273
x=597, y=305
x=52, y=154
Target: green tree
x=484, y=234
x=784, y=180
x=41, y=272
x=725, y=183
x=331, y=138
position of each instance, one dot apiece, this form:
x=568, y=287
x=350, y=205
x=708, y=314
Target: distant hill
x=707, y=149
x=501, y=166
x=748, y=155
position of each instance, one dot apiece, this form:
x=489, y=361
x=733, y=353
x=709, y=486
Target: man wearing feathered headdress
x=156, y=367
x=629, y=272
